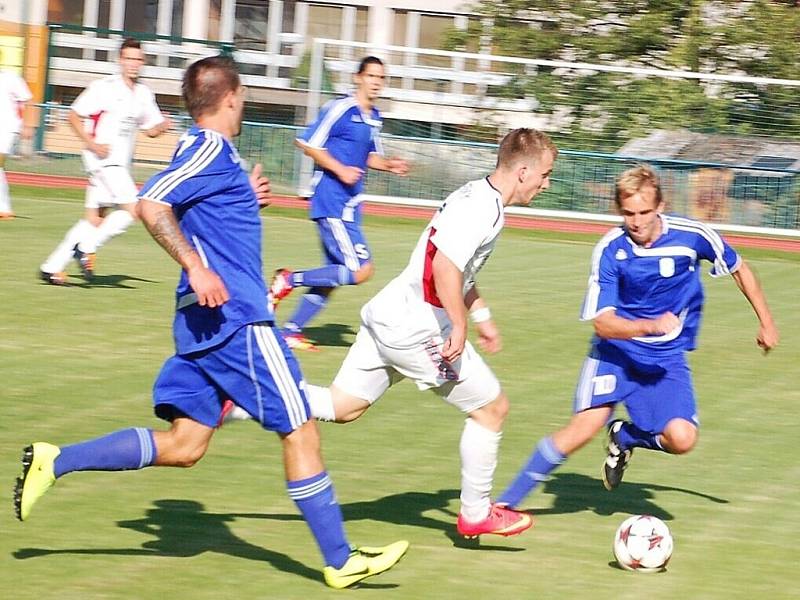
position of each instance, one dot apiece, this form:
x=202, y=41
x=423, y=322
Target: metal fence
x=761, y=199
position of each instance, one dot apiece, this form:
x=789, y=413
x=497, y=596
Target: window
x=141, y=16
x=214, y=13
x=65, y=11
x=250, y=29
x=362, y=16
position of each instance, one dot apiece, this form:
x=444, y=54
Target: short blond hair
x=524, y=143
x=634, y=180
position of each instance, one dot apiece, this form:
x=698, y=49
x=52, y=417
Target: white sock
x=5, y=197
x=321, y=402
x=479, y=448
x=113, y=225
x=60, y=257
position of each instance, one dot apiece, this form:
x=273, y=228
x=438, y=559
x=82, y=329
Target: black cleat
x=53, y=278
x=617, y=459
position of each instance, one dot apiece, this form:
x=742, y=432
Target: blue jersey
x=211, y=196
x=644, y=283
x=349, y=136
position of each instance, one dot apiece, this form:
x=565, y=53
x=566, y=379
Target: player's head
x=131, y=59
x=370, y=77
x=526, y=158
x=640, y=202
x=212, y=89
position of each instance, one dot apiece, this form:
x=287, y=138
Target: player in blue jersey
x=204, y=211
x=645, y=299
x=343, y=142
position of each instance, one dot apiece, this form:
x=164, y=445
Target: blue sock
x=315, y=499
x=327, y=276
x=630, y=436
x=545, y=459
x=310, y=304
x=119, y=451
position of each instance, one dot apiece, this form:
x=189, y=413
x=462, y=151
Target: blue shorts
x=253, y=367
x=652, y=396
x=343, y=243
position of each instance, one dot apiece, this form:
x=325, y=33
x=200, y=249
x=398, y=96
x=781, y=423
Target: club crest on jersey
x=666, y=266
x=621, y=254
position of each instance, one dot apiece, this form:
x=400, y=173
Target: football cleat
x=86, y=262
x=232, y=412
x=297, y=341
x=53, y=278
x=280, y=287
x=363, y=562
x=37, y=476
x=7, y=216
x=501, y=521
x=616, y=459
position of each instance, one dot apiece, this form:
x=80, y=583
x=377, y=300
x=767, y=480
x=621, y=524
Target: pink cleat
x=501, y=521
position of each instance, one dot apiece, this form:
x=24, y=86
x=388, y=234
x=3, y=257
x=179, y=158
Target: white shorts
x=110, y=186
x=370, y=368
x=7, y=141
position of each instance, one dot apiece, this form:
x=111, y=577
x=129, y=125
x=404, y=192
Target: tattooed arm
x=160, y=221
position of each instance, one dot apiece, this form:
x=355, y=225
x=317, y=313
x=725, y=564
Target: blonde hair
x=524, y=143
x=634, y=180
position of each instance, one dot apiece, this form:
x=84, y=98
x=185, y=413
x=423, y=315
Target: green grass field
x=79, y=361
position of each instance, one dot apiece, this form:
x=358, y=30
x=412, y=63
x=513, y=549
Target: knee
x=366, y=271
x=680, y=436
x=493, y=415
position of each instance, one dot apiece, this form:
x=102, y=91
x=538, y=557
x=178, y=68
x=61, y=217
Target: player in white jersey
x=106, y=116
x=416, y=326
x=14, y=95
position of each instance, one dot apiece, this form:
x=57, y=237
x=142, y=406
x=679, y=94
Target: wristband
x=479, y=315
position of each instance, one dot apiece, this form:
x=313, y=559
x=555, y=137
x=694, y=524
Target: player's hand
x=99, y=150
x=398, y=166
x=208, y=286
x=166, y=124
x=350, y=175
x=261, y=186
x=454, y=345
x=664, y=324
x=768, y=337
x=489, y=337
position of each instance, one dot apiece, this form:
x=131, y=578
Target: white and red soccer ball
x=643, y=543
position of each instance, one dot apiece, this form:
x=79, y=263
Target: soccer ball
x=643, y=543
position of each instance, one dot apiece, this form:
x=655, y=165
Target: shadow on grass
x=332, y=334
x=182, y=528
x=110, y=281
x=578, y=493
x=407, y=508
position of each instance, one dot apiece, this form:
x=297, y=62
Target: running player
x=645, y=300
x=106, y=117
x=416, y=326
x=204, y=211
x=343, y=142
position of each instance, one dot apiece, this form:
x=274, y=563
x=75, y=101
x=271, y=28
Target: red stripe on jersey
x=20, y=109
x=428, y=285
x=95, y=120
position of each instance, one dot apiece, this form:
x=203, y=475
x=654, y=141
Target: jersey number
x=362, y=251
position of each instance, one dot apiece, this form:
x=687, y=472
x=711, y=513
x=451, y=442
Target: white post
x=274, y=23
x=164, y=27
x=227, y=20
x=91, y=10
x=195, y=19
x=314, y=100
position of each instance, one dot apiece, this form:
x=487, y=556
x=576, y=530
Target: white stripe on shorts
x=345, y=243
x=281, y=374
x=251, y=365
x=585, y=391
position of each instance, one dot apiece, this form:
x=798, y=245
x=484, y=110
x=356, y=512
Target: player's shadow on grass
x=578, y=493
x=108, y=281
x=332, y=334
x=182, y=528
x=408, y=508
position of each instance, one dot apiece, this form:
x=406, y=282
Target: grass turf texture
x=79, y=361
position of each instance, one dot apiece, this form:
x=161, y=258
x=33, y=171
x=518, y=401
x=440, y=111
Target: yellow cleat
x=37, y=476
x=364, y=562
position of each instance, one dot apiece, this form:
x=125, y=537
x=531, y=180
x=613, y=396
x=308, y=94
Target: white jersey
x=112, y=112
x=13, y=93
x=407, y=311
